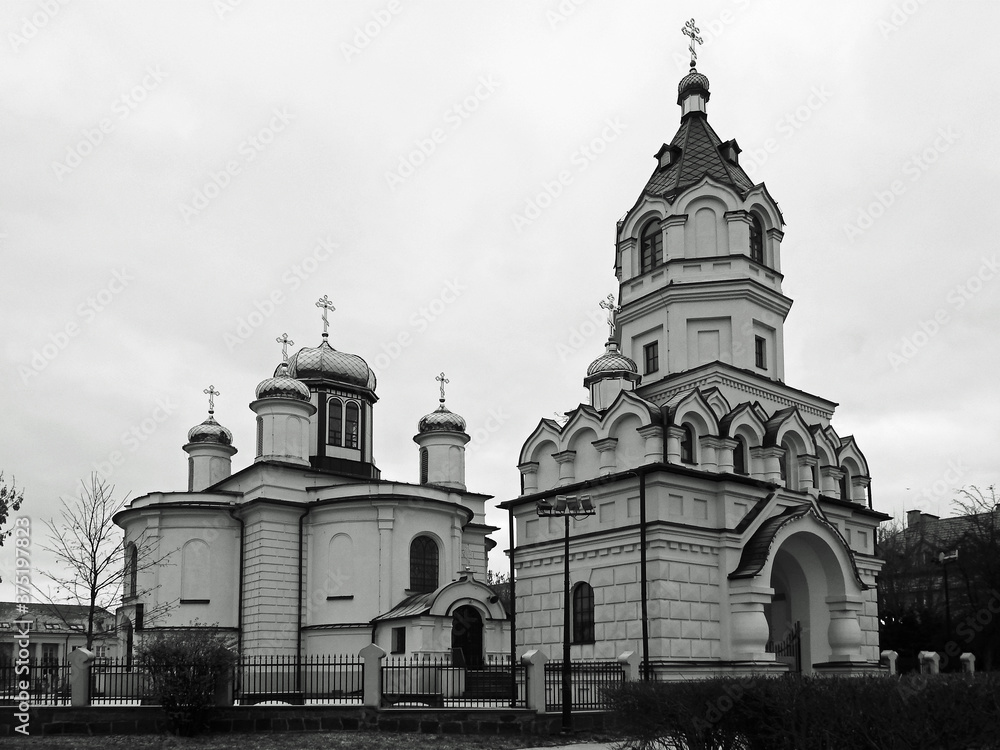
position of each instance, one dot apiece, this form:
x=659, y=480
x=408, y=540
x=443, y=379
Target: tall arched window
x=351, y=424
x=651, y=247
x=336, y=420
x=789, y=466
x=687, y=446
x=423, y=564
x=756, y=239
x=131, y=568
x=583, y=613
x=740, y=456
x=845, y=485
x=424, y=466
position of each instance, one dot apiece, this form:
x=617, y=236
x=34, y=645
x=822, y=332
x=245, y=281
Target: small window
x=424, y=467
x=423, y=564
x=756, y=240
x=651, y=247
x=583, y=613
x=845, y=493
x=131, y=569
x=687, y=445
x=399, y=640
x=351, y=420
x=760, y=352
x=651, y=357
x=260, y=436
x=336, y=420
x=740, y=457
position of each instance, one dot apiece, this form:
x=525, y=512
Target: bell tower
x=698, y=256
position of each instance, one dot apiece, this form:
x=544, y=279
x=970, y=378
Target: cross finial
x=212, y=393
x=442, y=380
x=326, y=304
x=691, y=30
x=285, y=343
x=613, y=310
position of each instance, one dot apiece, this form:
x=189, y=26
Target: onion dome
x=693, y=82
x=210, y=431
x=612, y=362
x=441, y=419
x=283, y=385
x=326, y=363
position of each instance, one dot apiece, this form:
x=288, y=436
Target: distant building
x=55, y=630
x=733, y=529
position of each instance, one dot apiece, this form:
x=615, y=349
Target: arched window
x=423, y=564
x=845, y=484
x=756, y=239
x=131, y=568
x=651, y=247
x=424, y=466
x=740, y=456
x=583, y=613
x=789, y=467
x=687, y=446
x=336, y=420
x=351, y=422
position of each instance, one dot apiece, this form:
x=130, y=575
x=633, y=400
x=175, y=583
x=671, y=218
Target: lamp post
x=578, y=507
x=944, y=559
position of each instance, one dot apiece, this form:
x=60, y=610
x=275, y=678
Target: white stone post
x=630, y=664
x=890, y=657
x=534, y=675
x=844, y=632
x=968, y=663
x=929, y=661
x=79, y=676
x=748, y=629
x=373, y=656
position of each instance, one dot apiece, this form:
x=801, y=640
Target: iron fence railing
x=317, y=679
x=588, y=681
x=46, y=683
x=438, y=681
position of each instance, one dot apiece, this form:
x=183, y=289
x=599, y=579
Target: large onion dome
x=326, y=363
x=210, y=431
x=283, y=385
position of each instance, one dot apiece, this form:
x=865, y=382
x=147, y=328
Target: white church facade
x=733, y=528
x=308, y=551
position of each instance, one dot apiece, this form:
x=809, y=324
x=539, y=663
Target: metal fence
x=440, y=682
x=310, y=680
x=588, y=681
x=46, y=684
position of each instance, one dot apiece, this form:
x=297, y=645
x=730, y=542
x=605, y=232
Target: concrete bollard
x=929, y=661
x=890, y=657
x=630, y=664
x=373, y=656
x=534, y=674
x=968, y=663
x=79, y=676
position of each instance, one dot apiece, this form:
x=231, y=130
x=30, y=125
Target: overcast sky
x=181, y=181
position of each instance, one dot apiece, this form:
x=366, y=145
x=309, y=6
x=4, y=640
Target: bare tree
x=91, y=553
x=10, y=500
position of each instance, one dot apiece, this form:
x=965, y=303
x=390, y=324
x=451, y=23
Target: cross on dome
x=285, y=343
x=212, y=393
x=613, y=310
x=690, y=30
x=325, y=303
x=442, y=380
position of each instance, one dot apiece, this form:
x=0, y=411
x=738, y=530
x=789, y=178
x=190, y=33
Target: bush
x=186, y=668
x=943, y=712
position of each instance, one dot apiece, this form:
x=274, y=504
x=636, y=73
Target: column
x=567, y=466
x=653, y=436
x=807, y=481
x=844, y=633
x=710, y=447
x=529, y=477
x=830, y=477
x=748, y=629
x=724, y=454
x=769, y=459
x=675, y=434
x=859, y=489
x=606, y=447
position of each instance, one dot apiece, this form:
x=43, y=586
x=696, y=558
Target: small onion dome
x=210, y=431
x=282, y=385
x=326, y=363
x=441, y=419
x=693, y=82
x=612, y=362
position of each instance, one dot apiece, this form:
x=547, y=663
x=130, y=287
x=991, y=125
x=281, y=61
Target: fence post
x=79, y=676
x=929, y=662
x=534, y=676
x=373, y=656
x=968, y=663
x=890, y=656
x=630, y=665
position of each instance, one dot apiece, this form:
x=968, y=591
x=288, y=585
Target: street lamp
x=577, y=507
x=943, y=560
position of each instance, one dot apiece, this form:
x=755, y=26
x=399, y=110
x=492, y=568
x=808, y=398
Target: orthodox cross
x=442, y=380
x=212, y=393
x=326, y=304
x=692, y=31
x=285, y=343
x=613, y=309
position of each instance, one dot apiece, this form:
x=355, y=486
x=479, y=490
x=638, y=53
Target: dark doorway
x=467, y=637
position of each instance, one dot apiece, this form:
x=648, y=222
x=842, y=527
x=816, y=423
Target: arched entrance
x=467, y=636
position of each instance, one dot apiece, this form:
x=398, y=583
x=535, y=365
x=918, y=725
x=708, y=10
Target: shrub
x=186, y=668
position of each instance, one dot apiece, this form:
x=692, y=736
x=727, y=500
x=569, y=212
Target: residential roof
x=56, y=618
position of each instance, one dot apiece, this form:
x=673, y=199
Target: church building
x=308, y=551
x=732, y=528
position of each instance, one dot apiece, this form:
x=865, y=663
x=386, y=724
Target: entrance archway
x=467, y=637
